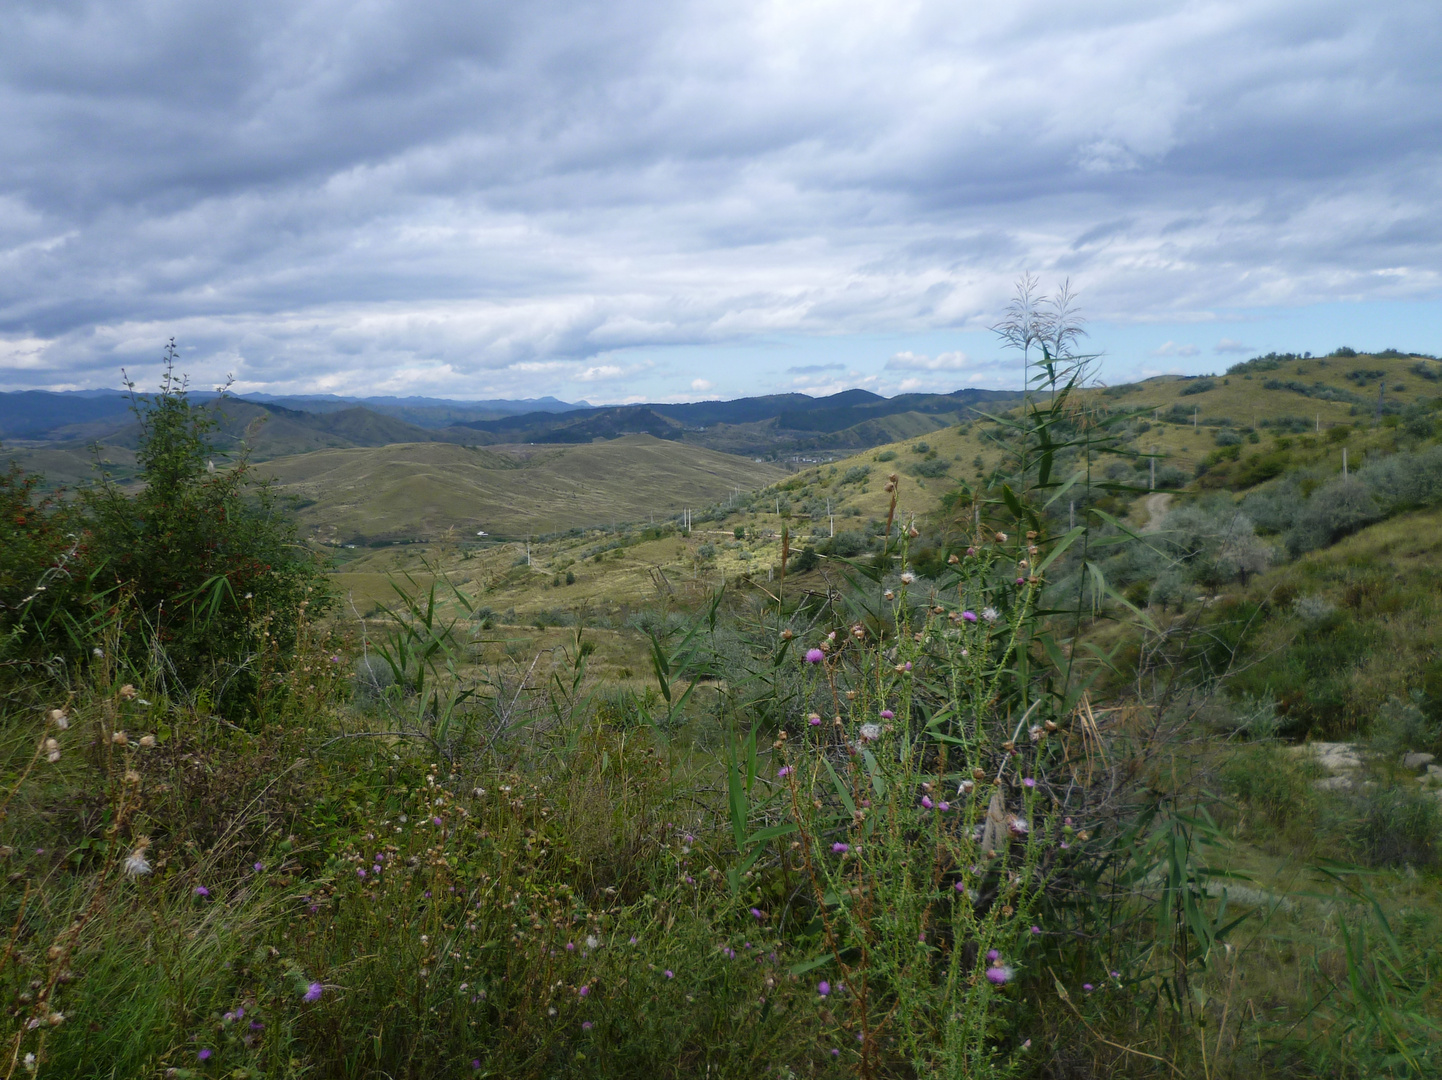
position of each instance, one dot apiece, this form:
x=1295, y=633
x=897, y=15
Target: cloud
x=701, y=386
x=947, y=361
x=1229, y=345
x=1171, y=348
x=447, y=192
x=814, y=369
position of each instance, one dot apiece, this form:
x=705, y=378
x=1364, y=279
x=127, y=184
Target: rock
x=1335, y=756
x=1417, y=762
x=1434, y=774
x=1334, y=783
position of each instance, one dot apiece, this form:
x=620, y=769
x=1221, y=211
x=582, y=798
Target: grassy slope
x=424, y=490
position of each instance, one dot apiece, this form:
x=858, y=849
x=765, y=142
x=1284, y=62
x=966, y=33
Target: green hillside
x=420, y=491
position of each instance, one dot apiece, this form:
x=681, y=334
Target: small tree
x=207, y=563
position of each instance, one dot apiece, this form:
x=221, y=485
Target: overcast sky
x=673, y=199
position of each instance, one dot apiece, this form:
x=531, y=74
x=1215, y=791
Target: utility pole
x=1196, y=411
x=1344, y=463
x=1381, y=389
x=1154, y=469
x=1071, y=516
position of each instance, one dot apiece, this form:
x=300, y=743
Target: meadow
x=997, y=751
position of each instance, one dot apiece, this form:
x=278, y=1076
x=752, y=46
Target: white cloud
x=1231, y=345
x=505, y=198
x=1171, y=348
x=702, y=385
x=947, y=361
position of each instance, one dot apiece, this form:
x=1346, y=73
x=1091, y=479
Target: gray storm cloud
x=492, y=197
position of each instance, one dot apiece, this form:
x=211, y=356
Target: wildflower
x=965, y=787
x=887, y=714
x=30, y=1065
x=870, y=732
x=59, y=719
x=435, y=821
x=360, y=872
x=1036, y=929
x=55, y=1019
x=998, y=975
x=1017, y=826
x=570, y=946
x=840, y=848
x=592, y=942
x=52, y=751
x=1116, y=974
x=128, y=692
x=475, y=1063
x=993, y=955
x=823, y=988
x=119, y=738
x=756, y=913
x=969, y=616
x=782, y=772
x=202, y=892
x=585, y=991
x=136, y=864
x=1029, y=782
x=147, y=741
x=943, y=807
x=814, y=720
x=907, y=578
x=97, y=652
x=204, y=1055
x=669, y=973
x=990, y=614
x=814, y=656
x=586, y=1025
x=1001, y=538
x=1088, y=987
x=131, y=776
x=258, y=867
x=312, y=992
x=926, y=801
x=890, y=595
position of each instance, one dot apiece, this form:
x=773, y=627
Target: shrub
x=930, y=469
x=885, y=455
x=1198, y=386
x=856, y=474
x=1333, y=511
x=1387, y=826
x=202, y=556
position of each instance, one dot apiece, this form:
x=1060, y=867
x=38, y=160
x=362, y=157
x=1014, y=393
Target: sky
x=672, y=200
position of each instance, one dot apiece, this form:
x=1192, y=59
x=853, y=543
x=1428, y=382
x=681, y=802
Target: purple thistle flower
x=204, y=1055
x=585, y=991
x=926, y=801
x=887, y=714
x=258, y=867
x=944, y=806
x=1116, y=974
x=814, y=656
x=1029, y=782
x=993, y=956
x=360, y=872
x=256, y=1025
x=1088, y=987
x=435, y=821
x=1036, y=929
x=908, y=665
x=823, y=988
x=998, y=976
x=782, y=772
x=586, y=1025
x=570, y=946
x=633, y=939
x=312, y=992
x=475, y=1063
x=961, y=886
x=202, y=892
x=669, y=973
x=969, y=616
x=840, y=848
x=813, y=720
x=756, y=912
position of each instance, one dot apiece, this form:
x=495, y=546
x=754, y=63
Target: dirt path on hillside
x=1157, y=506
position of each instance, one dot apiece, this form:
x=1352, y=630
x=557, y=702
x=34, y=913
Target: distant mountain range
x=756, y=426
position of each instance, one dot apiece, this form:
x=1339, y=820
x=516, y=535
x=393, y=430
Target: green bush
x=201, y=557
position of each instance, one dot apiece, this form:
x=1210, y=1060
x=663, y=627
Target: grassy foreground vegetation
x=1001, y=784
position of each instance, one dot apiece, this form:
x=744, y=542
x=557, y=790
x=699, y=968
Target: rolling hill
x=425, y=491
